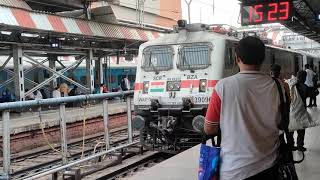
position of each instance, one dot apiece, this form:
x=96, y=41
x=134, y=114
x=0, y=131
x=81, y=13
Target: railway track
x=32, y=163
x=130, y=166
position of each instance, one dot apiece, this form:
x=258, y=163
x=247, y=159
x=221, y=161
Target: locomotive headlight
x=203, y=85
x=177, y=86
x=173, y=86
x=170, y=87
x=145, y=87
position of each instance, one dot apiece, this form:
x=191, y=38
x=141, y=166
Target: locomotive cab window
x=230, y=57
x=194, y=56
x=157, y=58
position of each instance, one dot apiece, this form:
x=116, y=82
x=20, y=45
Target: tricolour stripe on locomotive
x=221, y=64
x=176, y=75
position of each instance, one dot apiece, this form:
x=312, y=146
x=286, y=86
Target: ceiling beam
x=57, y=4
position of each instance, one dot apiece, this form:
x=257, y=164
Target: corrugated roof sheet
x=47, y=22
x=15, y=3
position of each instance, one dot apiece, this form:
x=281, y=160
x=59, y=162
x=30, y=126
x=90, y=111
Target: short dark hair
x=276, y=69
x=307, y=66
x=251, y=50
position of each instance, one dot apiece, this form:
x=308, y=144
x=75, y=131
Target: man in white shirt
x=310, y=84
x=127, y=83
x=30, y=96
x=39, y=95
x=56, y=93
x=245, y=107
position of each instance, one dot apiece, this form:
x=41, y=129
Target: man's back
x=249, y=124
x=309, y=79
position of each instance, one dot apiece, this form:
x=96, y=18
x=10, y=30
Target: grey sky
x=225, y=12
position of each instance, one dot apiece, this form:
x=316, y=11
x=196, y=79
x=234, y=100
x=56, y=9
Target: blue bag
x=209, y=162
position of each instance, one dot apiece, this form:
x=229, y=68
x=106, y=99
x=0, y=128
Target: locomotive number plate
x=202, y=99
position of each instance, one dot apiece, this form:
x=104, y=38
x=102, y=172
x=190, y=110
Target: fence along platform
x=28, y=121
x=6, y=107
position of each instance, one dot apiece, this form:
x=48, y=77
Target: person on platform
x=310, y=84
x=38, y=95
x=73, y=91
x=303, y=92
x=30, y=96
x=275, y=73
x=315, y=85
x=56, y=93
x=125, y=84
x=44, y=94
x=6, y=96
x=103, y=88
x=242, y=107
x=64, y=89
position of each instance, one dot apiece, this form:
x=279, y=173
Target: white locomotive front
x=176, y=75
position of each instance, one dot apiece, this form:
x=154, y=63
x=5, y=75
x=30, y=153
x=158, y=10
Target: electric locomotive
x=176, y=75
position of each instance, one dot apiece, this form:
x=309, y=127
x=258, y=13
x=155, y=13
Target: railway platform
x=185, y=165
x=29, y=121
x=28, y=131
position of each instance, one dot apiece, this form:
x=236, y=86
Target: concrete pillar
x=18, y=73
x=52, y=65
x=90, y=74
x=99, y=69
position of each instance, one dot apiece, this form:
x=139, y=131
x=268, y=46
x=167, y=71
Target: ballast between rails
x=6, y=107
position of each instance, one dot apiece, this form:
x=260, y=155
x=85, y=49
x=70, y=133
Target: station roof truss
x=304, y=20
x=39, y=30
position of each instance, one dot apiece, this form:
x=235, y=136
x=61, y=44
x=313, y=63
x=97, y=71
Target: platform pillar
x=99, y=69
x=63, y=129
x=52, y=65
x=18, y=73
x=90, y=68
x=129, y=117
x=105, y=123
x=6, y=145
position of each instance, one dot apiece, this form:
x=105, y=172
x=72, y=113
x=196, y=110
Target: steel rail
x=21, y=174
x=56, y=169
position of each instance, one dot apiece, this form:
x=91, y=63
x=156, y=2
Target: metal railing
x=7, y=107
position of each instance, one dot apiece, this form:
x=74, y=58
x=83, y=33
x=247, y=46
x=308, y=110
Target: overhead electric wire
x=212, y=5
x=149, y=7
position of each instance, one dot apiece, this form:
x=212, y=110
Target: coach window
x=194, y=56
x=230, y=58
x=157, y=58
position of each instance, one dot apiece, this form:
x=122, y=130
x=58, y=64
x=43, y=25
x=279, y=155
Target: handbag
x=299, y=116
x=209, y=161
x=285, y=161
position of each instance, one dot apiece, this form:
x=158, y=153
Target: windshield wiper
x=188, y=64
x=152, y=65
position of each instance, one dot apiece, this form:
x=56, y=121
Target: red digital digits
x=272, y=13
x=276, y=11
x=259, y=13
x=285, y=10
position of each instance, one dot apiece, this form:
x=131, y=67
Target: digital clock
x=266, y=12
